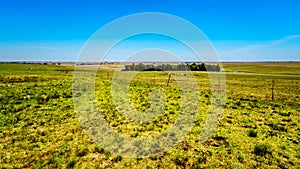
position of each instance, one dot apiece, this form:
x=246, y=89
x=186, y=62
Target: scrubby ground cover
x=39, y=128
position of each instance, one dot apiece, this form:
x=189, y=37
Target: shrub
x=262, y=149
x=252, y=133
x=117, y=159
x=240, y=157
x=98, y=149
x=134, y=134
x=71, y=163
x=180, y=159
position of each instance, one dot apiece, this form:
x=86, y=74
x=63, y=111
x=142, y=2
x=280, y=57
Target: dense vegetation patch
x=172, y=67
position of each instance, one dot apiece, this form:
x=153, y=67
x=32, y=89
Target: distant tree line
x=38, y=63
x=169, y=67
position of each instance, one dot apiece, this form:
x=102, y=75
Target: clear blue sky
x=240, y=30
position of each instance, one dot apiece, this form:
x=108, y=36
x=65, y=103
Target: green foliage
x=252, y=133
x=172, y=67
x=71, y=163
x=240, y=158
x=262, y=149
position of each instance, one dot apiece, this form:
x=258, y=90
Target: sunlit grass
x=39, y=128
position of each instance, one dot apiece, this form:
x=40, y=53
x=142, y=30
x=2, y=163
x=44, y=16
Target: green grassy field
x=279, y=68
x=39, y=128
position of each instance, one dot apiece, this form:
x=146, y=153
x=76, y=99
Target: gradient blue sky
x=257, y=30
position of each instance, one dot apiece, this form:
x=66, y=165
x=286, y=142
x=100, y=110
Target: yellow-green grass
x=39, y=128
x=276, y=68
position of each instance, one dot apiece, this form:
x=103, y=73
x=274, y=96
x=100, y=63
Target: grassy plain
x=39, y=128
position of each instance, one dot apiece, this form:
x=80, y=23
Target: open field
x=39, y=128
x=278, y=68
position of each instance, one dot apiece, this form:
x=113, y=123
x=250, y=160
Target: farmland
x=259, y=128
